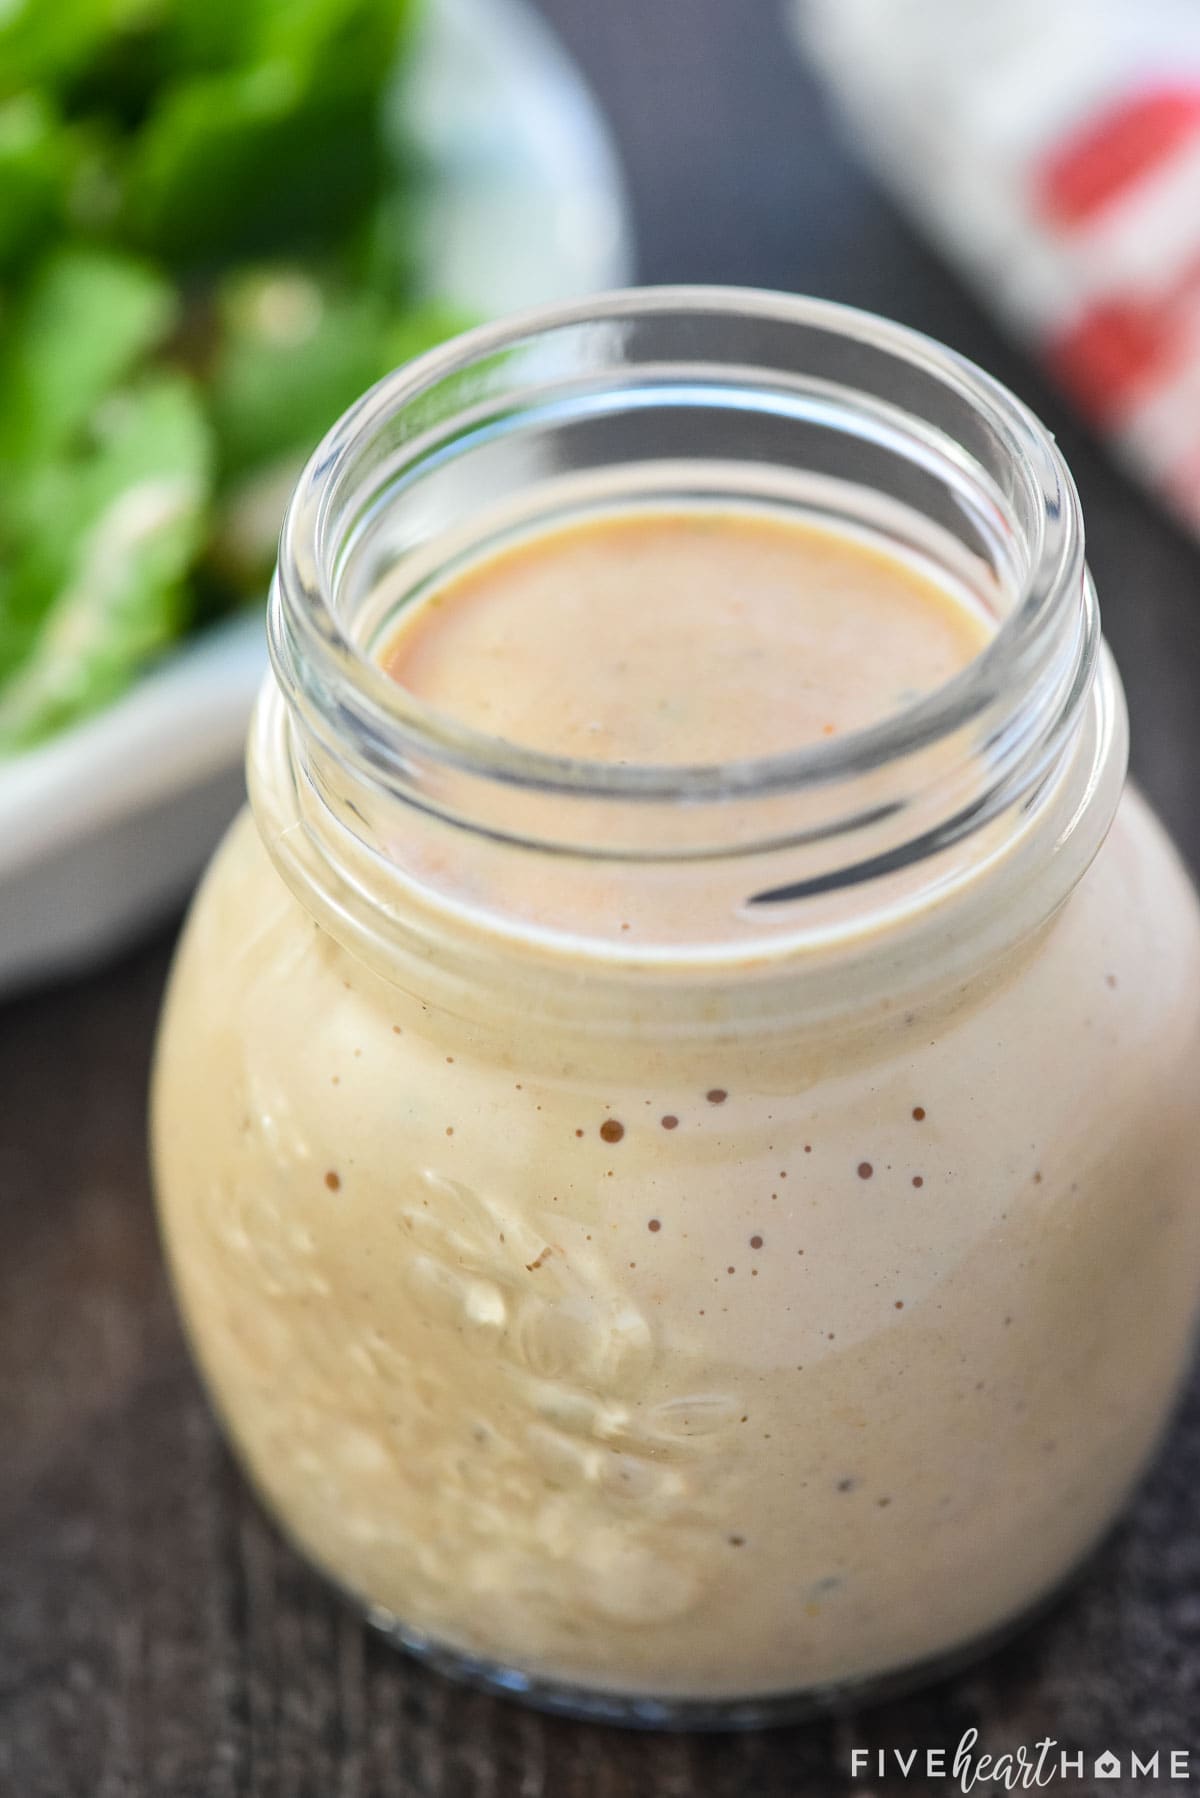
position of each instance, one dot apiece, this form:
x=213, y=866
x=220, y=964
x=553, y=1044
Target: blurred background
x=220, y=222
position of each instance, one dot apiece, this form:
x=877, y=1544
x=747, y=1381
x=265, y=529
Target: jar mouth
x=700, y=395
x=1033, y=505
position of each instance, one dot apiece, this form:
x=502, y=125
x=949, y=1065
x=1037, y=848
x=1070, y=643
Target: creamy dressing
x=742, y=1362
x=685, y=636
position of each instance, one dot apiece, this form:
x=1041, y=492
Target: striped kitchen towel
x=1051, y=148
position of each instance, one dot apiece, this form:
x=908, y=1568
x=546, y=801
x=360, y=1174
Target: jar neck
x=931, y=840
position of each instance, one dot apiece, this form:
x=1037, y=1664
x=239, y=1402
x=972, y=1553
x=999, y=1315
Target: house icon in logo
x=1107, y=1766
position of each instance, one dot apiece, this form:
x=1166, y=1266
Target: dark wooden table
x=156, y=1639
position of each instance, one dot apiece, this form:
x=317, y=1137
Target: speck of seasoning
x=847, y=1485
x=333, y=1181
x=396, y=1030
x=731, y=1270
x=737, y=1541
x=624, y=927
x=899, y=1304
x=654, y=1226
x=611, y=1131
x=808, y=1148
x=1007, y=1322
x=754, y=1273
x=883, y=1503
x=865, y=1170
x=579, y=1133
x=756, y=1242
x=1110, y=980
x=917, y=1180
x=1037, y=1179
x=919, y=1113
x=336, y=1080
x=716, y=1095
x=670, y=1122
x=449, y=1129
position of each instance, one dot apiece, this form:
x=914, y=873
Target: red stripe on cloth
x=1119, y=348
x=1112, y=354
x=1094, y=166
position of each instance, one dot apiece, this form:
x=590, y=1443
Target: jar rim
x=305, y=627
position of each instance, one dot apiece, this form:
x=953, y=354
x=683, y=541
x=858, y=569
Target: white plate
x=105, y=828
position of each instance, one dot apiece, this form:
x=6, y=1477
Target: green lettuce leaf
x=47, y=42
x=312, y=34
x=86, y=319
x=35, y=166
x=293, y=353
x=278, y=153
x=237, y=164
x=128, y=521
x=157, y=395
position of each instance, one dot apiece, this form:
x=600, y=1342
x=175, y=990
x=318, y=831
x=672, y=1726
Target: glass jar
x=688, y=1321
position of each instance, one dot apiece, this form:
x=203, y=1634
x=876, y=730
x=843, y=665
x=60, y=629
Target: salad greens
x=196, y=277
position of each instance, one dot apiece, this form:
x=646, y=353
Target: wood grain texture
x=157, y=1639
